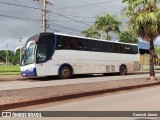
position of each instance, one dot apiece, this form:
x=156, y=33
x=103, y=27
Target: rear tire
x=65, y=72
x=123, y=70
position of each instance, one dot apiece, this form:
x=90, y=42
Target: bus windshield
x=28, y=55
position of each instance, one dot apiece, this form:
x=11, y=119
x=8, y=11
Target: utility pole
x=44, y=16
x=44, y=11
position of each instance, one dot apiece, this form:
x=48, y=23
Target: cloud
x=63, y=18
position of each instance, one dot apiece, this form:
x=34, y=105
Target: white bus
x=49, y=54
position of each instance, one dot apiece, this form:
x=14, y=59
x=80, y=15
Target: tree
x=157, y=51
x=128, y=37
x=91, y=32
x=0, y=58
x=144, y=16
x=107, y=23
x=13, y=59
x=3, y=55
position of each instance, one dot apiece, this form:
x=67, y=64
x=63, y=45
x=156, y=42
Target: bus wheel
x=65, y=72
x=123, y=70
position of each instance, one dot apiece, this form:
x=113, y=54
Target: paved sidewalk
x=30, y=96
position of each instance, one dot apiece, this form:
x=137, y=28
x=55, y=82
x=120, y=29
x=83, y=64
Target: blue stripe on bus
x=29, y=73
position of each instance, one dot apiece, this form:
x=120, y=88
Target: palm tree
x=128, y=37
x=107, y=23
x=144, y=16
x=91, y=32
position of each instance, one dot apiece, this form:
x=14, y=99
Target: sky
x=23, y=18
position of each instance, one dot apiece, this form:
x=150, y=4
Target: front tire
x=65, y=72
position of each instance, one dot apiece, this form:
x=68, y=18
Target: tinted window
x=41, y=53
x=45, y=48
x=64, y=42
x=107, y=47
x=127, y=49
x=72, y=43
x=76, y=44
x=60, y=43
x=117, y=48
x=134, y=49
x=84, y=44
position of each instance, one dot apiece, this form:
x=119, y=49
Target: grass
x=9, y=73
x=9, y=70
x=146, y=67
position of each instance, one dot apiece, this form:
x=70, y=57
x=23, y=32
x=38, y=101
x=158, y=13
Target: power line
x=20, y=18
x=54, y=30
x=68, y=28
x=71, y=21
x=61, y=15
x=38, y=5
x=47, y=11
x=85, y=5
x=36, y=20
x=70, y=18
x=77, y=16
x=73, y=32
x=6, y=3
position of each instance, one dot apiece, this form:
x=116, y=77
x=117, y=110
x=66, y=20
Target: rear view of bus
x=37, y=50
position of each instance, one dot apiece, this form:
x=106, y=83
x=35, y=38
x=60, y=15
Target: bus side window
x=84, y=44
x=76, y=44
x=60, y=42
x=67, y=46
x=95, y=46
x=90, y=45
x=127, y=49
x=72, y=47
x=41, y=53
x=67, y=43
x=107, y=47
x=116, y=48
x=135, y=49
x=100, y=46
x=80, y=44
x=45, y=48
x=124, y=50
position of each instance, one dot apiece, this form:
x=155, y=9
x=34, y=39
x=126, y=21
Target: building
x=144, y=52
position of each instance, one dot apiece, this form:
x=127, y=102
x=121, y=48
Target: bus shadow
x=50, y=78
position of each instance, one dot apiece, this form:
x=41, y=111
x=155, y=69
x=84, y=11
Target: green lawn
x=10, y=69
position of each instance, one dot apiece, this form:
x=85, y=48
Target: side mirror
x=20, y=47
x=28, y=44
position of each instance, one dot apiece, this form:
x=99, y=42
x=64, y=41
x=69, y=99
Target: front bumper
x=29, y=73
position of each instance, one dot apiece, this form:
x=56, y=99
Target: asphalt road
x=42, y=83
x=147, y=99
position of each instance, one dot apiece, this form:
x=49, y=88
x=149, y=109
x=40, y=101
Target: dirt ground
x=10, y=78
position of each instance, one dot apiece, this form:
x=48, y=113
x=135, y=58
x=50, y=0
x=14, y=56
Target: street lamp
x=20, y=50
x=6, y=55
